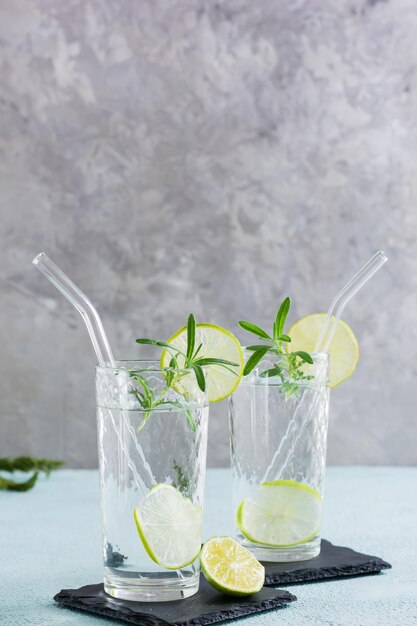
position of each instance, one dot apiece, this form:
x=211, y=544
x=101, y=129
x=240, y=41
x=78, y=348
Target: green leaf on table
x=28, y=463
x=14, y=485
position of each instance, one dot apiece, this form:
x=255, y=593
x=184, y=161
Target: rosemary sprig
x=180, y=361
x=25, y=464
x=150, y=401
x=183, y=483
x=288, y=365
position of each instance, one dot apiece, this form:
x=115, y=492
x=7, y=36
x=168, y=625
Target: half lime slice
x=283, y=513
x=217, y=342
x=169, y=526
x=344, y=348
x=230, y=568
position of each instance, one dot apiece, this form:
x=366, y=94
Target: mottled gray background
x=209, y=157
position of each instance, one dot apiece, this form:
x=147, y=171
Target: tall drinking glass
x=278, y=454
x=152, y=469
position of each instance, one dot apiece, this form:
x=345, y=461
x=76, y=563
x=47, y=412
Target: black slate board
x=208, y=606
x=332, y=562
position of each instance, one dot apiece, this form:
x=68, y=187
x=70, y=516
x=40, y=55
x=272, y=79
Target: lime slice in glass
x=169, y=526
x=230, y=568
x=344, y=348
x=283, y=513
x=219, y=343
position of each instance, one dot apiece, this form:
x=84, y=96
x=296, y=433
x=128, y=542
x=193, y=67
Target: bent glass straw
x=343, y=297
x=100, y=343
x=83, y=305
x=322, y=345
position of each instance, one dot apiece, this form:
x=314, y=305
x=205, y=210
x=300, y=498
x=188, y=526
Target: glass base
x=150, y=590
x=302, y=552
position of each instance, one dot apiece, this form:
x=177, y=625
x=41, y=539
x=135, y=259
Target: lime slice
x=283, y=513
x=344, y=348
x=217, y=343
x=230, y=568
x=170, y=527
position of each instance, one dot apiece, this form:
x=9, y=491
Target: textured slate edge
x=241, y=609
x=226, y=615
x=371, y=565
x=71, y=603
x=308, y=575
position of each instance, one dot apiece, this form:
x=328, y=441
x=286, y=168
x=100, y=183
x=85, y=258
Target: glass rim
x=107, y=367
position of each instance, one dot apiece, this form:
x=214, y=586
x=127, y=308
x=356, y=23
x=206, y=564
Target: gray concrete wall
x=206, y=157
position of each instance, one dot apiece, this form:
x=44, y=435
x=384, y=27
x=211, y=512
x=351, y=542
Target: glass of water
x=278, y=438
x=152, y=440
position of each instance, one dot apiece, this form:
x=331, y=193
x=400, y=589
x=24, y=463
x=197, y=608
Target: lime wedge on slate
x=230, y=568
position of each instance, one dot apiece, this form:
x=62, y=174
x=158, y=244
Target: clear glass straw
x=82, y=304
x=343, y=297
x=322, y=345
x=101, y=347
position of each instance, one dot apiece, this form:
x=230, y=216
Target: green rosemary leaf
x=285, y=338
x=254, y=359
x=198, y=350
x=254, y=329
x=190, y=336
x=190, y=419
x=160, y=344
x=232, y=371
x=199, y=374
x=183, y=483
x=273, y=371
x=304, y=356
x=147, y=390
x=213, y=361
x=281, y=317
x=170, y=372
x=139, y=396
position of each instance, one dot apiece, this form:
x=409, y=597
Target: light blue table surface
x=50, y=539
